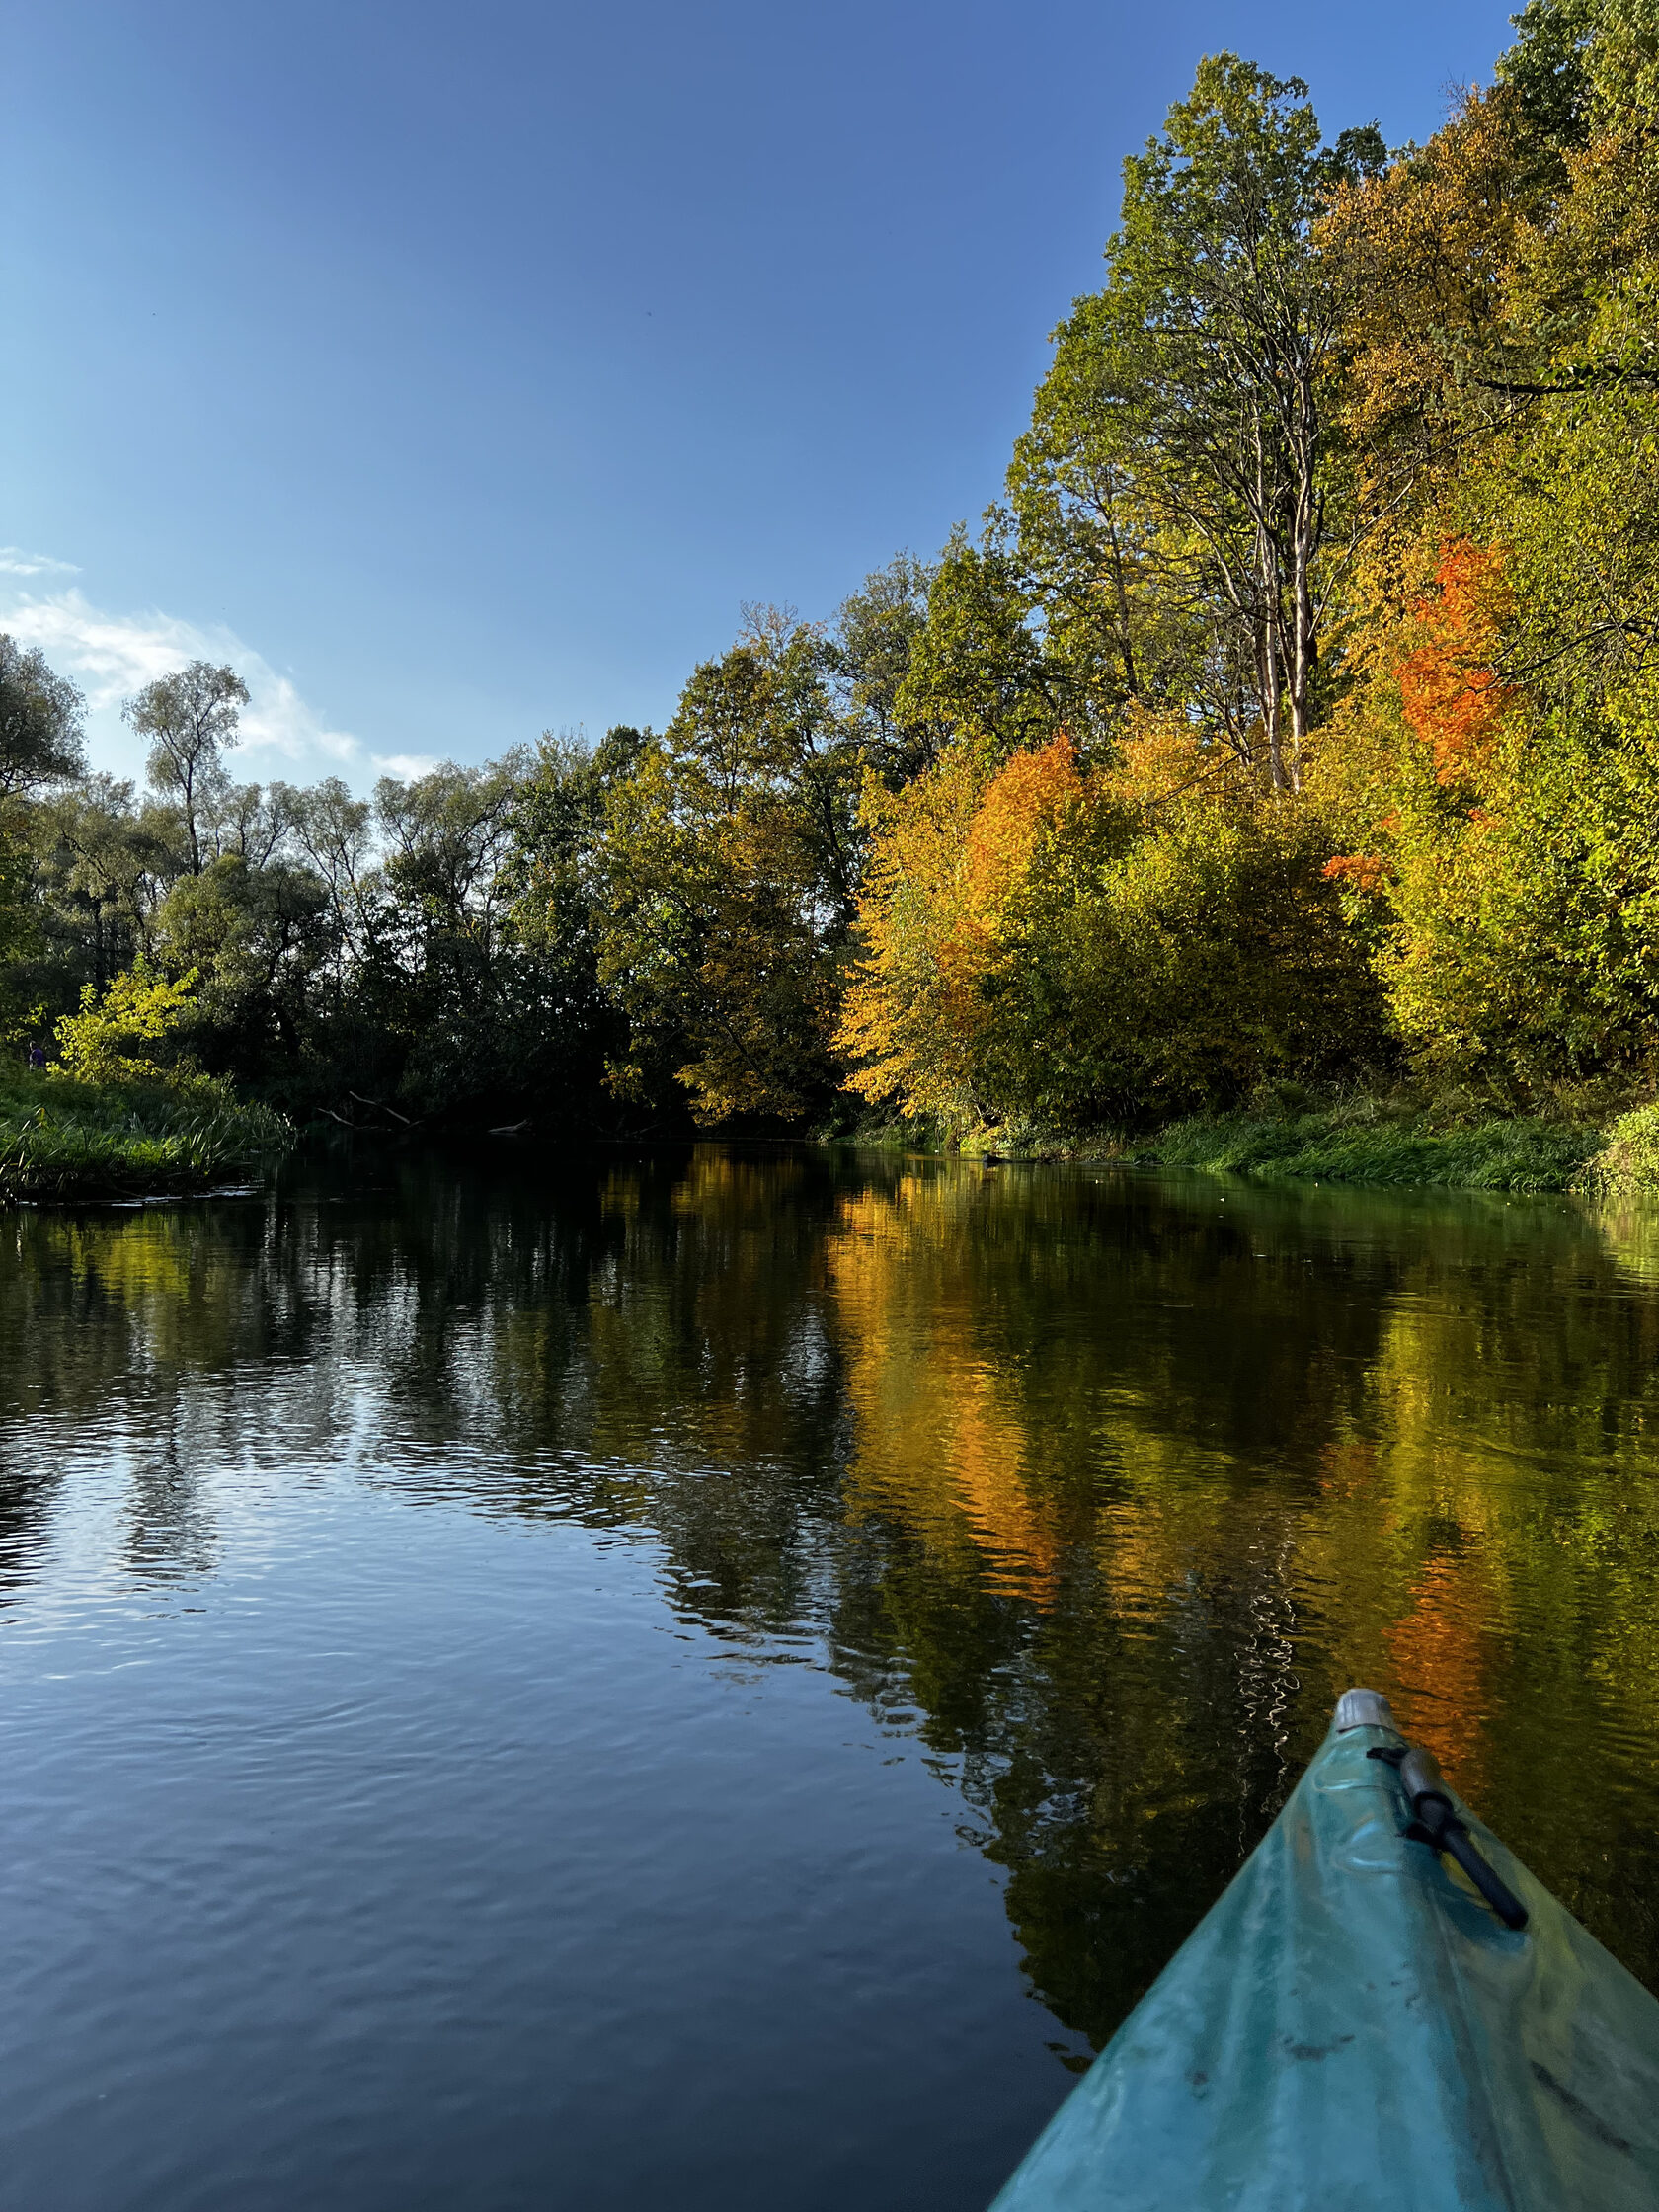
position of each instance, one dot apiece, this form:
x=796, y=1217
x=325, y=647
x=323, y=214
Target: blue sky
x=457, y=371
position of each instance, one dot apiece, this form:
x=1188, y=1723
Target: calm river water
x=717, y=1677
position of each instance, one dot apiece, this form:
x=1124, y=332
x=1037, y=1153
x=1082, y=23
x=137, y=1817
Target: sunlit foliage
x=1151, y=936
x=114, y=1039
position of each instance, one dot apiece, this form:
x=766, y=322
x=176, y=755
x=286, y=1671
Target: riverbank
x=1364, y=1138
x=62, y=1140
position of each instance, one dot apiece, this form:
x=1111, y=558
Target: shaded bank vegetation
x=1294, y=721
x=64, y=1140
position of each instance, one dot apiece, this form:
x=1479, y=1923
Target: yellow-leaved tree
x=110, y=1040
x=949, y=855
x=1066, y=947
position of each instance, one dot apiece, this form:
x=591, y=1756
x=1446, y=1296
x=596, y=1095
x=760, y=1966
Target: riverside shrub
x=112, y=1039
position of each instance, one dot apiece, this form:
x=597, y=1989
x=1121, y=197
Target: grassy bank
x=1362, y=1141
x=1361, y=1138
x=61, y=1140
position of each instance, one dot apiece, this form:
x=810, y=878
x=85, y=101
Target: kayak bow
x=1354, y=2028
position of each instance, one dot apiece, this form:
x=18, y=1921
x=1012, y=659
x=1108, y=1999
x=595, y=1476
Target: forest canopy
x=1294, y=719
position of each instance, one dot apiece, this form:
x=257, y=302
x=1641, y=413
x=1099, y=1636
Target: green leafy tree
x=190, y=719
x=976, y=669
x=555, y=876
x=1183, y=433
x=450, y=977
x=99, y=867
x=40, y=747
x=1090, y=546
x=335, y=832
x=256, y=934
x=40, y=712
x=732, y=857
x=877, y=630
x=1577, y=65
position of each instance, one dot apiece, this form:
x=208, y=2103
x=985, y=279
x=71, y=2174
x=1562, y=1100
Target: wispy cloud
x=408, y=767
x=111, y=656
x=108, y=654
x=14, y=561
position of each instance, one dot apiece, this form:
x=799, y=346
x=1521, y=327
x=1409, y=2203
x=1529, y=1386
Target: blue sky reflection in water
x=709, y=1678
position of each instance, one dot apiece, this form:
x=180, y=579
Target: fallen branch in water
x=380, y=1107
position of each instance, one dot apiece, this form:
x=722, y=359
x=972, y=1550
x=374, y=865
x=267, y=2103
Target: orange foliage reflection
x=1440, y=1655
x=940, y=1445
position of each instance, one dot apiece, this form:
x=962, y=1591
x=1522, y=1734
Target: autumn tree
x=1179, y=472
x=951, y=852
x=1062, y=946
x=1503, y=371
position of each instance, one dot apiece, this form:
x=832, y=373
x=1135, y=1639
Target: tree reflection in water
x=1102, y=1486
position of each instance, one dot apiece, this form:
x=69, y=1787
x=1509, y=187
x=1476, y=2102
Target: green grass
x=1629, y=1159
x=1362, y=1136
x=1363, y=1140
x=61, y=1140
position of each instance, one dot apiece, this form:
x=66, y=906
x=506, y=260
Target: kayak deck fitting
x=1353, y=2027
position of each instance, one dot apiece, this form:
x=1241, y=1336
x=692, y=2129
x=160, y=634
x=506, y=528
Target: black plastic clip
x=1437, y=1823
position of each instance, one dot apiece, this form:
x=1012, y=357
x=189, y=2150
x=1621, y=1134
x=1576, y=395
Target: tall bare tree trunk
x=1269, y=611
x=1305, y=530
x=1121, y=592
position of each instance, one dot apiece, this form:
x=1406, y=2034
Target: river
x=717, y=1677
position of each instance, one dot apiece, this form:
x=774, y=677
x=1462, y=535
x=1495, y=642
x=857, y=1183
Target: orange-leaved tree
x=1452, y=697
x=1065, y=947
x=949, y=854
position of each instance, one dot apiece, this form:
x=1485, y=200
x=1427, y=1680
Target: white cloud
x=14, y=561
x=408, y=767
x=107, y=654
x=111, y=656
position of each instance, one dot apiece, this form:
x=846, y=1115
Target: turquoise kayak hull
x=1352, y=2029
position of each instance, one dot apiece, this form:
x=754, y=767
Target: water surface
x=719, y=1678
